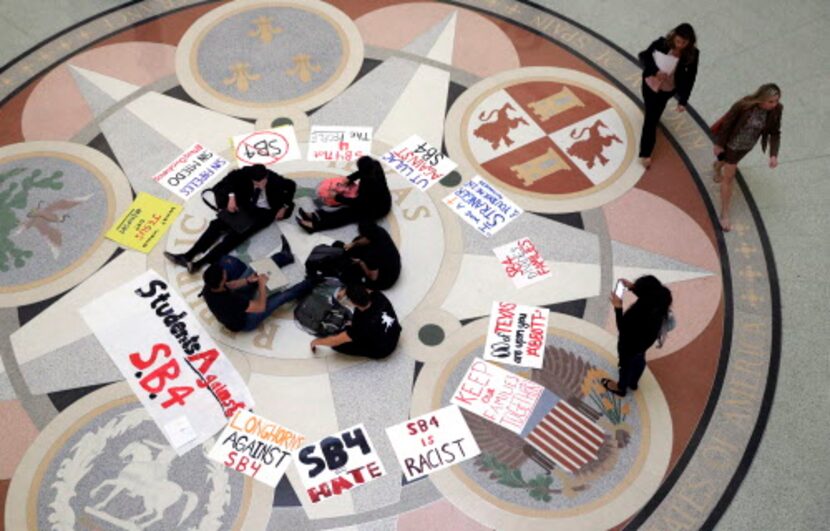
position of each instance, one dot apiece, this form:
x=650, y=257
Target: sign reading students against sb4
x=516, y=335
x=187, y=384
x=482, y=206
x=256, y=447
x=497, y=395
x=338, y=463
x=191, y=171
x=432, y=442
x=419, y=162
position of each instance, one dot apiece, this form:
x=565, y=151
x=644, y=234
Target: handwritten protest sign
x=419, y=162
x=144, y=223
x=338, y=463
x=334, y=143
x=256, y=447
x=516, y=335
x=482, y=206
x=522, y=262
x=188, y=386
x=191, y=171
x=498, y=395
x=266, y=147
x=432, y=442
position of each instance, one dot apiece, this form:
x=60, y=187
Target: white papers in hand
x=666, y=63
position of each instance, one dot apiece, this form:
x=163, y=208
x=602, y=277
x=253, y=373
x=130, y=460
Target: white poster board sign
x=188, y=386
x=482, y=206
x=420, y=163
x=191, y=171
x=498, y=395
x=432, y=442
x=267, y=147
x=256, y=447
x=338, y=463
x=339, y=143
x=522, y=262
x=516, y=335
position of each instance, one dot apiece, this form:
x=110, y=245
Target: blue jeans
x=237, y=269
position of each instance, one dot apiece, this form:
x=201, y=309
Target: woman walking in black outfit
x=639, y=327
x=373, y=200
x=660, y=85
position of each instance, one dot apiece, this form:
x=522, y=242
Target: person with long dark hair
x=679, y=48
x=373, y=200
x=736, y=133
x=639, y=327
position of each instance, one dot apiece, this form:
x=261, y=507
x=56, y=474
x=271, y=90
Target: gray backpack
x=320, y=313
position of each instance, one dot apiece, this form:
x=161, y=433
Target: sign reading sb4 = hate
x=191, y=171
x=516, y=335
x=482, y=206
x=144, y=223
x=498, y=395
x=338, y=463
x=336, y=143
x=522, y=262
x=432, y=442
x=419, y=162
x=256, y=447
x=267, y=147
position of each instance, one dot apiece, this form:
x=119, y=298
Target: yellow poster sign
x=144, y=223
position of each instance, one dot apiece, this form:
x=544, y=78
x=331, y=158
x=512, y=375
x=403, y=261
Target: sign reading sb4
x=338, y=463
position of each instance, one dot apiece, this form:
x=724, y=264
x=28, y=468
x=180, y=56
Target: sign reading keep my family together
x=188, y=386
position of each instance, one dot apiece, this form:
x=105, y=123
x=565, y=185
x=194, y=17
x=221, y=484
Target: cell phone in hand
x=619, y=289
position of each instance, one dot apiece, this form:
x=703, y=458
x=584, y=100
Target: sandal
x=605, y=382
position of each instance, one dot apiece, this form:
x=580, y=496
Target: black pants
x=332, y=219
x=355, y=349
x=231, y=240
x=655, y=104
x=632, y=367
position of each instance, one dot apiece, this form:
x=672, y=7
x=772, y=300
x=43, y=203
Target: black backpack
x=320, y=313
x=325, y=261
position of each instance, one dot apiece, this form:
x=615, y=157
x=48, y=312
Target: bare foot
x=724, y=224
x=645, y=161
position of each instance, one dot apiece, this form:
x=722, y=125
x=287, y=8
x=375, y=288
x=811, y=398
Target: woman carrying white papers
x=669, y=69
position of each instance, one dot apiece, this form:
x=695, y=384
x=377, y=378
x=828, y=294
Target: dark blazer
x=733, y=120
x=684, y=74
x=373, y=196
x=278, y=190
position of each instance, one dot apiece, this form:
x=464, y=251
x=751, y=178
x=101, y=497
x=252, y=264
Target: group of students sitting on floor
x=248, y=200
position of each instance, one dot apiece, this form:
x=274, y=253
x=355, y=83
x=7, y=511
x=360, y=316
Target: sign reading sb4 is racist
x=267, y=147
x=522, y=262
x=191, y=171
x=516, y=335
x=188, y=386
x=144, y=223
x=498, y=395
x=256, y=447
x=419, y=162
x=432, y=442
x=338, y=463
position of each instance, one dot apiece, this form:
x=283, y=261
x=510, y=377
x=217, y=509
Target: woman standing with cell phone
x=750, y=118
x=669, y=69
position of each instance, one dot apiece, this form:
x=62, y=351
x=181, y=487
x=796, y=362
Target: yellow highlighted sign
x=144, y=223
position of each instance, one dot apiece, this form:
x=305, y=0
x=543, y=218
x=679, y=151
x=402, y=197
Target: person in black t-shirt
x=374, y=330
x=376, y=256
x=237, y=295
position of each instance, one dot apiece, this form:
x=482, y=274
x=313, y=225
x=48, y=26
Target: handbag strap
x=210, y=205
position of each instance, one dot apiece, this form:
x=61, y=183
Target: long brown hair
x=765, y=92
x=686, y=32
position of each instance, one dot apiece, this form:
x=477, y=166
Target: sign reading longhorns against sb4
x=334, y=143
x=188, y=386
x=338, y=463
x=256, y=447
x=432, y=442
x=516, y=335
x=419, y=162
x=191, y=171
x=266, y=147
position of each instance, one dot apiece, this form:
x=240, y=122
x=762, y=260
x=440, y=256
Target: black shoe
x=285, y=256
x=633, y=387
x=302, y=224
x=178, y=259
x=194, y=267
x=605, y=382
x=303, y=214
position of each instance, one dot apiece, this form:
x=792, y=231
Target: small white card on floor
x=276, y=278
x=482, y=206
x=419, y=162
x=432, y=442
x=516, y=335
x=522, y=262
